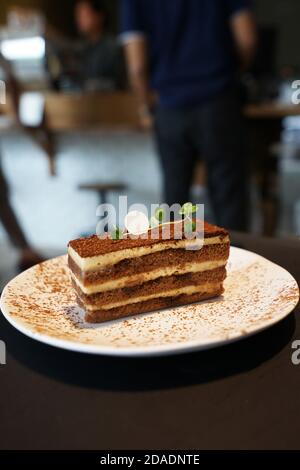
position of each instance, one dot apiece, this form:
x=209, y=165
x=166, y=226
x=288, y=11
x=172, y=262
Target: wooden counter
x=72, y=111
x=93, y=110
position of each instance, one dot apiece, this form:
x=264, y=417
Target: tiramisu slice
x=119, y=278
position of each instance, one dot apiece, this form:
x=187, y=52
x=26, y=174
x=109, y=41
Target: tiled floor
x=53, y=210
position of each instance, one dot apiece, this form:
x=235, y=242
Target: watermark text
x=139, y=221
x=2, y=353
x=2, y=92
x=296, y=93
x=296, y=353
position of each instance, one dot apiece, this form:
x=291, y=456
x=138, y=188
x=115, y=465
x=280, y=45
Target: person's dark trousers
x=214, y=132
x=8, y=218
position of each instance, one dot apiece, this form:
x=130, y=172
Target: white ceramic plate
x=41, y=304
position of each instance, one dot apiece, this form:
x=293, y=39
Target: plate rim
x=148, y=351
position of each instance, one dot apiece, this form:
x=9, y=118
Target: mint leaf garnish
x=117, y=234
x=159, y=215
x=190, y=226
x=188, y=209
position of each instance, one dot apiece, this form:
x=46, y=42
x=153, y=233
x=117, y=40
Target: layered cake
x=119, y=278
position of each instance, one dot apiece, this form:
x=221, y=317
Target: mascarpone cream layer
x=126, y=281
x=208, y=288
x=97, y=262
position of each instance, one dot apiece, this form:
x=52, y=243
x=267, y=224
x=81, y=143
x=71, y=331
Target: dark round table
x=242, y=396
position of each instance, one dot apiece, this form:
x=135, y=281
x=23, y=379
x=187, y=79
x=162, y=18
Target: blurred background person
x=100, y=58
x=28, y=256
x=92, y=62
x=190, y=52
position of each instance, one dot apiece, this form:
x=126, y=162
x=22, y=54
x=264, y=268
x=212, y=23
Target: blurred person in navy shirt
x=191, y=53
